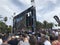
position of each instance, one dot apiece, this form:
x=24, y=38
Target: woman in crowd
x=25, y=40
x=33, y=40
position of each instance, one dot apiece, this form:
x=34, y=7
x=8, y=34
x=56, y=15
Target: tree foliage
x=44, y=25
x=38, y=25
x=5, y=19
x=3, y=27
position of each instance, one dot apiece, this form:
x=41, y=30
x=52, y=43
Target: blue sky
x=45, y=9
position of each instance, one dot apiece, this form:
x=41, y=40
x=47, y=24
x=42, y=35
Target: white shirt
x=26, y=43
x=23, y=43
x=47, y=42
x=1, y=41
x=56, y=34
x=53, y=32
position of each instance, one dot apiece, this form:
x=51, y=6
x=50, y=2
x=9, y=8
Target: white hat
x=17, y=36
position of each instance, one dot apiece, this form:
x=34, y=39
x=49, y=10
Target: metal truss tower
x=33, y=11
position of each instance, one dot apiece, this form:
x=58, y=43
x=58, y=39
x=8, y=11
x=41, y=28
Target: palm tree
x=50, y=25
x=3, y=27
x=38, y=25
x=9, y=28
x=5, y=19
x=45, y=24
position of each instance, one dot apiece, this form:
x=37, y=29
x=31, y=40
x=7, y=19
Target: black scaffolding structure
x=20, y=20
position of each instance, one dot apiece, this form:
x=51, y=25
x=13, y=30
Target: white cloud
x=45, y=9
x=27, y=2
x=49, y=16
x=7, y=9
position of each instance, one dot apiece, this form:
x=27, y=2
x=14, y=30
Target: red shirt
x=56, y=42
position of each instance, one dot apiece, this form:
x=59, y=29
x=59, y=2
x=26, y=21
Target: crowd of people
x=44, y=37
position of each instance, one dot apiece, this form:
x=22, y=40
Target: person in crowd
x=56, y=34
x=1, y=41
x=13, y=41
x=5, y=42
x=25, y=40
x=52, y=37
x=57, y=42
x=33, y=40
x=48, y=37
x=18, y=38
x=45, y=40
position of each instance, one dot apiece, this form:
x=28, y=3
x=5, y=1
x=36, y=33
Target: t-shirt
x=56, y=42
x=23, y=43
x=1, y=41
x=47, y=42
x=56, y=34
